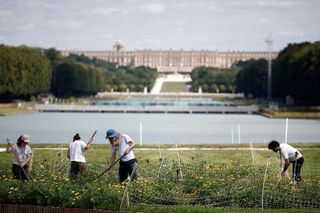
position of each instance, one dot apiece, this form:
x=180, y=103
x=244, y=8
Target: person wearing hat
x=290, y=155
x=75, y=154
x=123, y=145
x=22, y=157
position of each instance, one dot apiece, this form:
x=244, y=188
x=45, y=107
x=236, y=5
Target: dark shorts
x=126, y=169
x=78, y=167
x=18, y=173
x=296, y=169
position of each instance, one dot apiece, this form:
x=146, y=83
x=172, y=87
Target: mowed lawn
x=174, y=87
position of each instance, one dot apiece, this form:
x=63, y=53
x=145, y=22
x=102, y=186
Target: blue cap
x=111, y=133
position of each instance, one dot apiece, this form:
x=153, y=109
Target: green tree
x=24, y=72
x=77, y=79
x=252, y=78
x=296, y=72
x=212, y=77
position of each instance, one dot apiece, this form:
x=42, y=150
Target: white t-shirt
x=77, y=151
x=288, y=152
x=123, y=145
x=21, y=154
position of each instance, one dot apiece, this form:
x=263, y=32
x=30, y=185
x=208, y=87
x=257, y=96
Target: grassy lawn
x=9, y=109
x=170, y=180
x=311, y=112
x=174, y=87
x=188, y=209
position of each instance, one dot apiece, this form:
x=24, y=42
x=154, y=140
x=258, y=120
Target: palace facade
x=171, y=60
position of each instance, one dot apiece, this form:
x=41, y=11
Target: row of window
x=173, y=60
x=169, y=55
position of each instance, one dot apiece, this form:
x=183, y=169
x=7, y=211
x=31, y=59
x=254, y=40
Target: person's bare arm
x=26, y=161
x=9, y=146
x=131, y=146
x=285, y=167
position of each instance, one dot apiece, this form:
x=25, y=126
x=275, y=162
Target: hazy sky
x=222, y=25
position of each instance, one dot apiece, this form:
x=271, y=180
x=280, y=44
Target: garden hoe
x=109, y=168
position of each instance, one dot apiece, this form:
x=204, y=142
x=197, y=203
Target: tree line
x=295, y=73
x=23, y=72
x=213, y=80
x=120, y=78
x=26, y=72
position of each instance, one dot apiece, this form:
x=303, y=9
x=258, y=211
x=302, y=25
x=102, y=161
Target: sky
x=222, y=25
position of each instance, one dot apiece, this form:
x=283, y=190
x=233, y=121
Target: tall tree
x=23, y=72
x=297, y=72
x=252, y=78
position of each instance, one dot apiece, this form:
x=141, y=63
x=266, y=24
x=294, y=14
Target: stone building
x=171, y=60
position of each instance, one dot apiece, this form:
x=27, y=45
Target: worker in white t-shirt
x=23, y=152
x=123, y=145
x=290, y=155
x=76, y=154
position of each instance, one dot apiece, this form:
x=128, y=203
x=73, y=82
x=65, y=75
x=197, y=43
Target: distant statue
x=145, y=90
x=118, y=45
x=200, y=90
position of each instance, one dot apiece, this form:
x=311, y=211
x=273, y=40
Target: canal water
x=59, y=128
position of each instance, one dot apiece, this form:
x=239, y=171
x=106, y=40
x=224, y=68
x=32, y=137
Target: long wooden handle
x=91, y=139
x=110, y=167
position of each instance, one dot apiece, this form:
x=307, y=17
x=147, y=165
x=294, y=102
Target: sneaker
x=293, y=183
